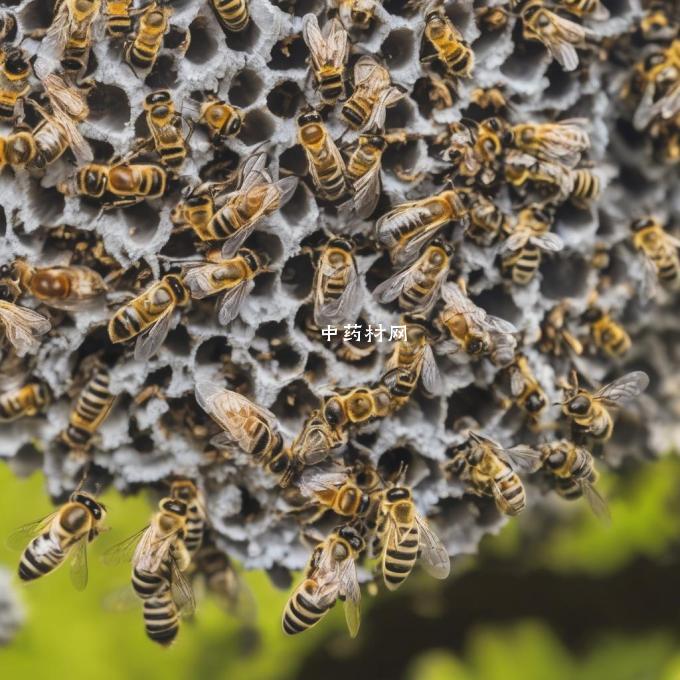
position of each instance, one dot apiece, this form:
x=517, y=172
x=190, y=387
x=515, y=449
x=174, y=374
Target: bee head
x=535, y=402
x=333, y=412
x=579, y=405
x=96, y=509
x=593, y=314
x=173, y=506
x=184, y=490
x=398, y=494
x=642, y=223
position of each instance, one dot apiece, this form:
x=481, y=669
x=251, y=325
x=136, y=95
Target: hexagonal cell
x=295, y=400
x=472, y=401
x=245, y=88
x=290, y=52
x=526, y=62
x=109, y=105
x=398, y=48
x=36, y=14
x=299, y=8
x=297, y=207
x=564, y=276
x=393, y=462
x=400, y=115
x=286, y=99
x=498, y=301
x=163, y=74
x=46, y=203
x=245, y=40
x=142, y=221
x=297, y=275
x=179, y=341
x=276, y=335
x=258, y=125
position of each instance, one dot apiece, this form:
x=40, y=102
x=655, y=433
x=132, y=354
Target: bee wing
x=367, y=191
x=123, y=551
x=391, y=288
x=516, y=382
x=149, y=342
x=198, y=279
x=516, y=240
x=550, y=242
x=435, y=556
x=406, y=217
x=600, y=13
x=120, y=600
x=337, y=42
x=78, y=570
x=18, y=539
x=623, y=389
x=318, y=49
x=344, y=308
x=251, y=172
x=389, y=97
x=52, y=45
x=182, y=592
x=595, y=500
x=561, y=38
x=520, y=458
x=67, y=99
x=236, y=240
x=645, y=109
x=231, y=301
x=312, y=482
x=365, y=69
x=286, y=188
x=430, y=374
x=349, y=588
x=23, y=326
x=668, y=105
x=391, y=542
x=77, y=143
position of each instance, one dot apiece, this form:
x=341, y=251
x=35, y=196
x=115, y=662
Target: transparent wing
x=365, y=69
x=433, y=552
x=236, y=240
x=339, y=310
x=19, y=538
x=430, y=375
x=149, y=342
x=498, y=325
x=77, y=143
x=516, y=382
x=337, y=42
x=78, y=571
x=52, y=45
x=459, y=303
x=286, y=188
x=182, y=592
x=64, y=98
x=623, y=389
x=253, y=172
x=231, y=301
x=199, y=281
x=517, y=240
x=404, y=218
x=120, y=600
x=315, y=41
x=376, y=121
x=521, y=458
x=349, y=587
x=124, y=550
x=367, y=191
x=392, y=288
x=550, y=242
x=312, y=482
x=23, y=326
x=596, y=502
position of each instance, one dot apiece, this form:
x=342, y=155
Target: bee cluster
x=495, y=178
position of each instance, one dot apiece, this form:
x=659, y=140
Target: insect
x=587, y=186
x=148, y=316
x=563, y=141
x=70, y=287
x=166, y=129
x=363, y=171
x=330, y=575
x=142, y=48
x=118, y=18
x=22, y=327
x=417, y=287
x=17, y=149
x=232, y=14
x=657, y=24
x=407, y=227
x=472, y=329
x=120, y=185
x=492, y=99
x=529, y=237
x=521, y=169
x=484, y=220
x=336, y=285
x=326, y=165
x=14, y=86
x=357, y=13
x=403, y=535
x=60, y=537
x=25, y=401
x=491, y=470
x=373, y=95
x=607, y=334
x=234, y=278
x=336, y=492
x=222, y=120
x=560, y=36
x=450, y=47
x=356, y=406
x=8, y=27
x=591, y=9
x=572, y=469
x=186, y=491
x=525, y=389
x=491, y=18
x=660, y=250
x=589, y=412
x=328, y=50
x=556, y=339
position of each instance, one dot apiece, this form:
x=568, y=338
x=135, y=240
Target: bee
x=328, y=50
x=316, y=441
x=250, y=427
x=141, y=49
x=60, y=537
x=660, y=250
x=330, y=575
x=233, y=15
x=118, y=18
x=403, y=535
x=94, y=404
x=14, y=86
x=450, y=47
x=356, y=406
x=357, y=13
x=326, y=165
x=573, y=472
x=484, y=219
x=530, y=236
x=607, y=335
x=363, y=171
x=555, y=338
x=8, y=27
x=407, y=227
x=336, y=285
x=17, y=149
x=22, y=327
x=234, y=278
x=521, y=169
x=587, y=187
x=22, y=402
x=491, y=18
x=589, y=412
x=222, y=120
x=472, y=329
x=239, y=212
x=590, y=9
x=563, y=141
x=373, y=95
x=525, y=390
x=68, y=287
x=336, y=492
x=491, y=470
x=148, y=316
x=418, y=286
x=120, y=185
x=186, y=491
x=491, y=98
x=166, y=129
x=412, y=360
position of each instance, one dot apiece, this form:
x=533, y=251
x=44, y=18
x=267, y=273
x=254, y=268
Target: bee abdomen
x=41, y=557
x=301, y=614
x=194, y=536
x=399, y=560
x=233, y=14
x=146, y=584
x=161, y=618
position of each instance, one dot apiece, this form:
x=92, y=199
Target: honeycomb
x=265, y=352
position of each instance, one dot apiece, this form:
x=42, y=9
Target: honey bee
x=234, y=278
x=418, y=286
x=67, y=288
x=587, y=187
x=22, y=327
x=94, y=404
x=357, y=13
x=336, y=492
x=363, y=171
x=121, y=185
x=14, y=86
x=563, y=141
x=521, y=169
x=407, y=227
x=572, y=469
x=330, y=575
x=591, y=9
x=326, y=165
x=525, y=390
x=473, y=330
x=316, y=441
x=373, y=95
x=529, y=237
x=450, y=47
x=356, y=406
x=222, y=120
x=186, y=491
x=61, y=537
x=660, y=250
x=141, y=49
x=336, y=285
x=148, y=316
x=166, y=129
x=22, y=402
x=484, y=220
x=491, y=470
x=491, y=18
x=328, y=50
x=555, y=338
x=589, y=412
x=8, y=27
x=118, y=18
x=403, y=535
x=233, y=15
x=491, y=99
x=17, y=149
x=607, y=334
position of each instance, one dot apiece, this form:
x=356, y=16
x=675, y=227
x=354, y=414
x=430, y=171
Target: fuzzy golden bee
x=23, y=402
x=357, y=13
x=660, y=250
x=165, y=125
x=563, y=141
x=17, y=149
x=222, y=120
x=450, y=47
x=15, y=70
x=118, y=18
x=328, y=50
x=186, y=491
x=590, y=9
x=233, y=15
x=607, y=334
x=525, y=390
x=356, y=406
x=556, y=338
x=335, y=492
x=142, y=48
x=363, y=171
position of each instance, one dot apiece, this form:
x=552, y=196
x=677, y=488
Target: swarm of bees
x=446, y=206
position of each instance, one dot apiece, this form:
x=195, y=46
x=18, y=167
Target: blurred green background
x=557, y=595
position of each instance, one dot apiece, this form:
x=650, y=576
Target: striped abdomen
x=329, y=174
x=331, y=86
x=301, y=611
x=360, y=163
x=147, y=584
x=194, y=530
x=92, y=407
x=42, y=556
x=161, y=618
x=77, y=50
x=511, y=491
x=356, y=111
x=233, y=14
x=523, y=264
x=399, y=560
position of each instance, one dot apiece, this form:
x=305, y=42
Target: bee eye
x=579, y=405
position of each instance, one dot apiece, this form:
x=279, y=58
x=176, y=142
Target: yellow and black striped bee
x=522, y=169
x=587, y=187
x=562, y=141
x=525, y=390
x=357, y=13
x=232, y=14
x=363, y=171
x=18, y=149
x=60, y=537
x=118, y=18
x=450, y=47
x=148, y=316
x=484, y=220
x=328, y=50
x=660, y=250
x=186, y=491
x=141, y=49
x=589, y=9
x=356, y=406
x=222, y=120
x=166, y=129
x=556, y=338
x=14, y=86
x=25, y=401
x=336, y=492
x=607, y=334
